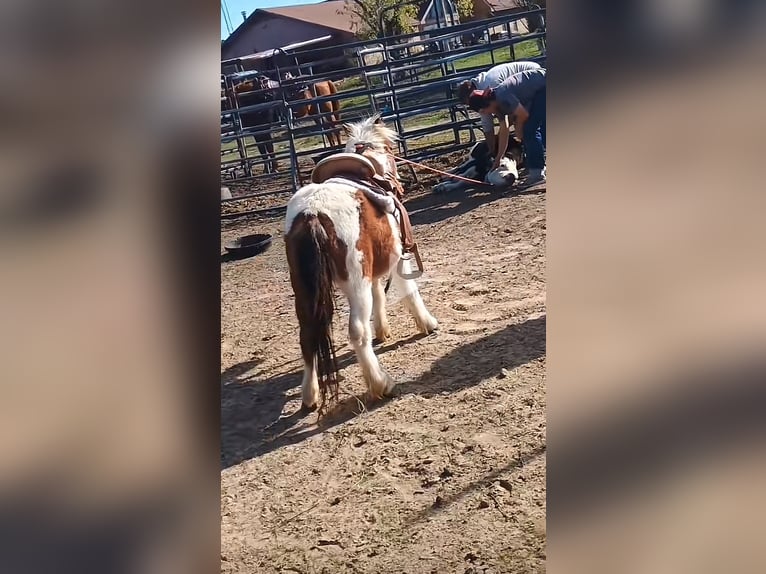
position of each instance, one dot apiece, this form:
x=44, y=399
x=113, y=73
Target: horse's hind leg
x=334, y=135
x=337, y=131
x=308, y=340
x=273, y=165
x=263, y=149
x=310, y=386
x=425, y=322
x=360, y=301
x=379, y=319
x=321, y=125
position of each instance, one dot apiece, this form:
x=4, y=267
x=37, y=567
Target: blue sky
x=236, y=6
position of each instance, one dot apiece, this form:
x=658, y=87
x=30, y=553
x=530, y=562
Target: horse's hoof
x=382, y=387
x=428, y=325
x=384, y=395
x=307, y=409
x=382, y=335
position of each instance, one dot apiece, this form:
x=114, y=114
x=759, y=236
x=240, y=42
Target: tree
x=365, y=17
x=464, y=9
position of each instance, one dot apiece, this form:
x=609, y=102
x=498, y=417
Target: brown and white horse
x=326, y=114
x=335, y=235
x=261, y=90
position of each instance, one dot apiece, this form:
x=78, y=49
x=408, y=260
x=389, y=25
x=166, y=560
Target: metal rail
x=412, y=88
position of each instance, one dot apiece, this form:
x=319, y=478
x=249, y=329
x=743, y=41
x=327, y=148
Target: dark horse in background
x=259, y=90
x=263, y=89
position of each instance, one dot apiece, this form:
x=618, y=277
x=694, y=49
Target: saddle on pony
x=369, y=176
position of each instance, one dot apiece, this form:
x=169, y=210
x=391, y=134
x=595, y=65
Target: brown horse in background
x=248, y=93
x=263, y=89
x=330, y=107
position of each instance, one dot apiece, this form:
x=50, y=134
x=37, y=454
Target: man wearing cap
x=492, y=78
x=520, y=98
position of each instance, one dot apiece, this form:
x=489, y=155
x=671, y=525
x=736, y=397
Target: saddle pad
x=383, y=200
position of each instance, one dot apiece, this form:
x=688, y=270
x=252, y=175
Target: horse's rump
x=335, y=103
x=323, y=89
x=377, y=241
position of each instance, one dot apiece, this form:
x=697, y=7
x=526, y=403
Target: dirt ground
x=448, y=476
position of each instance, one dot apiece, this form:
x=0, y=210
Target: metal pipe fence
x=408, y=79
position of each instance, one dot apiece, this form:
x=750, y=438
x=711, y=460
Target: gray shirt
x=495, y=76
x=519, y=89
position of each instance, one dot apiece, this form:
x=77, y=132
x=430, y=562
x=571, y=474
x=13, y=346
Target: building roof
x=266, y=54
x=327, y=14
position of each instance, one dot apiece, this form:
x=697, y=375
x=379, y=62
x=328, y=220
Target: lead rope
x=433, y=169
x=448, y=174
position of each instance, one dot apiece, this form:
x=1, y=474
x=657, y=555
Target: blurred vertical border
x=656, y=329
x=109, y=232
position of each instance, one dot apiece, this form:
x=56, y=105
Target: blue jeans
x=534, y=132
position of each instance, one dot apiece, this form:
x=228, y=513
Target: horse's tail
x=311, y=274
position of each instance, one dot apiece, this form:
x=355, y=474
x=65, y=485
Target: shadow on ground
x=470, y=364
x=433, y=208
x=504, y=471
x=251, y=408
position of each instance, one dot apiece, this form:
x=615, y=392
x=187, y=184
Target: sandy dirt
x=448, y=476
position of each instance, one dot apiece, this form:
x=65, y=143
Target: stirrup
x=408, y=257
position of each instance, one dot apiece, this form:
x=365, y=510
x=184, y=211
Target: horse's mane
x=371, y=131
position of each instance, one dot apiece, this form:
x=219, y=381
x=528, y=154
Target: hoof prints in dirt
x=449, y=475
x=246, y=407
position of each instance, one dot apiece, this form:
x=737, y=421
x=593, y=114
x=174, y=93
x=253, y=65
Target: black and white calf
x=478, y=166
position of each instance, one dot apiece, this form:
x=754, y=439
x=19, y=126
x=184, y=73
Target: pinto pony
x=335, y=235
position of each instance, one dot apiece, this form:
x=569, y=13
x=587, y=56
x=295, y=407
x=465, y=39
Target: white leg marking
x=310, y=386
x=359, y=293
x=379, y=319
x=425, y=322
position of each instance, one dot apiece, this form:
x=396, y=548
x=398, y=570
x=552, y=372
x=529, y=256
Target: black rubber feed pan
x=249, y=245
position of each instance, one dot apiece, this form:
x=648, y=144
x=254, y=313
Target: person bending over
x=491, y=79
x=520, y=99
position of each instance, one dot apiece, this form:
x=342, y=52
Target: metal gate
x=409, y=79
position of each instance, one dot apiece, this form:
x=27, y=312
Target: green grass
x=354, y=102
x=424, y=121
x=522, y=51
x=353, y=83
x=301, y=144
x=431, y=140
